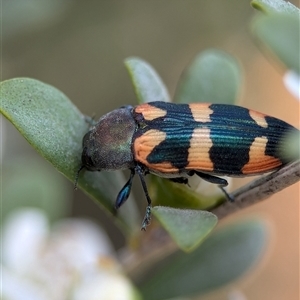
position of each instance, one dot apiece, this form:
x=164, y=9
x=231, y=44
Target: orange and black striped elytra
x=176, y=141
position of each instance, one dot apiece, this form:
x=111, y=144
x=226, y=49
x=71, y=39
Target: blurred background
x=79, y=47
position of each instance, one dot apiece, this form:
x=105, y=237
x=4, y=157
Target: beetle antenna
x=77, y=176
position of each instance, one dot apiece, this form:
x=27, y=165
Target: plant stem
x=260, y=189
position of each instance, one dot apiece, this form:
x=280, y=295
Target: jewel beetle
x=176, y=141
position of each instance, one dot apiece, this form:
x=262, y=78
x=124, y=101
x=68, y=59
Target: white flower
x=292, y=83
x=74, y=260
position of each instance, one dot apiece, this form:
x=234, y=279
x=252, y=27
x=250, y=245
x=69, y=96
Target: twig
x=260, y=189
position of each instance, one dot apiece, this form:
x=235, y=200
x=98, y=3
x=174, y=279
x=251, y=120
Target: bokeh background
x=79, y=47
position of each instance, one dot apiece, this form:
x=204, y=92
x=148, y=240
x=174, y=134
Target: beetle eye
x=85, y=139
x=87, y=159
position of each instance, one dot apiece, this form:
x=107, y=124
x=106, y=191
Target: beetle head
x=107, y=146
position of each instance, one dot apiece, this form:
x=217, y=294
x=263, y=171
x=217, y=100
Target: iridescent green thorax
x=108, y=144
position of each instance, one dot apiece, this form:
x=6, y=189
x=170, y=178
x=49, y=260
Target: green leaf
x=275, y=6
x=280, y=35
x=199, y=195
x=147, y=83
x=49, y=121
x=187, y=227
x=214, y=76
x=223, y=257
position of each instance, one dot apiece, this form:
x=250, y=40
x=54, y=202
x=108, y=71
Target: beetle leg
x=212, y=179
x=147, y=217
x=125, y=191
x=221, y=182
x=228, y=196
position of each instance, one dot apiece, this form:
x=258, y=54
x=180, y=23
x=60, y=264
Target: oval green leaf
x=167, y=193
x=223, y=257
x=279, y=33
x=187, y=227
x=275, y=6
x=49, y=121
x=214, y=76
x=147, y=83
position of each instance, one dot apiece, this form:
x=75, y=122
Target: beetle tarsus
x=227, y=195
x=147, y=218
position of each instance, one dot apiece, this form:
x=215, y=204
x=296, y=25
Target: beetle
x=176, y=141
